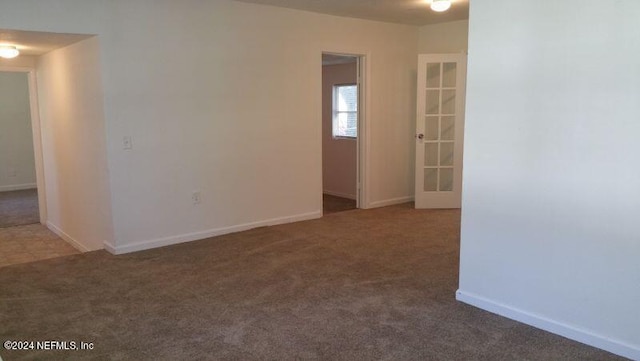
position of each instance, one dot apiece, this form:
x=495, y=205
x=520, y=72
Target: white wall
x=17, y=162
x=74, y=150
x=234, y=111
x=451, y=37
x=550, y=231
x=339, y=156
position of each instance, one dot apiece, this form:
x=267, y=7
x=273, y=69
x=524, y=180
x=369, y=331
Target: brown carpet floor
x=333, y=204
x=361, y=285
x=19, y=207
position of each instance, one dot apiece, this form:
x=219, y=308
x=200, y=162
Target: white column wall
x=73, y=140
x=550, y=231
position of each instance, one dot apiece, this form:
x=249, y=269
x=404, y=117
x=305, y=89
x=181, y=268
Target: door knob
x=420, y=136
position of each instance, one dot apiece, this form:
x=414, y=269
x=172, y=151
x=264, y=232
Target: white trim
x=188, y=237
x=559, y=328
x=338, y=194
x=364, y=135
x=390, y=202
x=17, y=187
x=36, y=128
x=67, y=237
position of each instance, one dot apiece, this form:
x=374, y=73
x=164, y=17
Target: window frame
x=335, y=112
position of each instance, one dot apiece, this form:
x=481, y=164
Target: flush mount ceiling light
x=8, y=51
x=440, y=5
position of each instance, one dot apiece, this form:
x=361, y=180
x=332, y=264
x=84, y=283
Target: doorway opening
x=342, y=130
x=18, y=151
x=38, y=237
x=22, y=191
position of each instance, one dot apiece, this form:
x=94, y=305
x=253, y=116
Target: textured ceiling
x=412, y=12
x=38, y=43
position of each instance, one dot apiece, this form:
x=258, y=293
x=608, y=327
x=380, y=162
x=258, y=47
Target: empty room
x=179, y=153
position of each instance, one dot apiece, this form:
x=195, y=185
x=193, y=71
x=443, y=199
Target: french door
x=439, y=130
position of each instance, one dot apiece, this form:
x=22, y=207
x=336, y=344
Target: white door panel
x=439, y=130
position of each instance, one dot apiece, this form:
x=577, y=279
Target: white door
x=439, y=130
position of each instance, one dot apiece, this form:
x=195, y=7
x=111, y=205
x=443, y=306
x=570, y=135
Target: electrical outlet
x=127, y=142
x=195, y=197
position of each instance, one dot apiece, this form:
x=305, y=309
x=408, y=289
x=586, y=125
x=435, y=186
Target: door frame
x=36, y=130
x=362, y=141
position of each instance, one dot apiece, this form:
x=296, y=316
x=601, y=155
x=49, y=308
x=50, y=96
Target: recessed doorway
x=341, y=131
x=18, y=185
x=33, y=236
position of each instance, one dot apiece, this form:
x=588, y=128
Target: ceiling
x=411, y=12
x=37, y=43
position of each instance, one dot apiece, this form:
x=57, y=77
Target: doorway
x=22, y=194
x=43, y=238
x=341, y=131
x=18, y=170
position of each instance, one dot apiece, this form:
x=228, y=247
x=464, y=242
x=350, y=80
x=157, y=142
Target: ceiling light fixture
x=440, y=5
x=8, y=51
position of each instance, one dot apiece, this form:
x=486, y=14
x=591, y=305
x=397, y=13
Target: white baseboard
x=541, y=322
x=188, y=237
x=55, y=229
x=341, y=195
x=390, y=202
x=17, y=187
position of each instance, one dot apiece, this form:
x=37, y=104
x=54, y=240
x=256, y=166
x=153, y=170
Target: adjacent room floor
x=30, y=243
x=22, y=238
x=360, y=285
x=333, y=204
x=18, y=208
